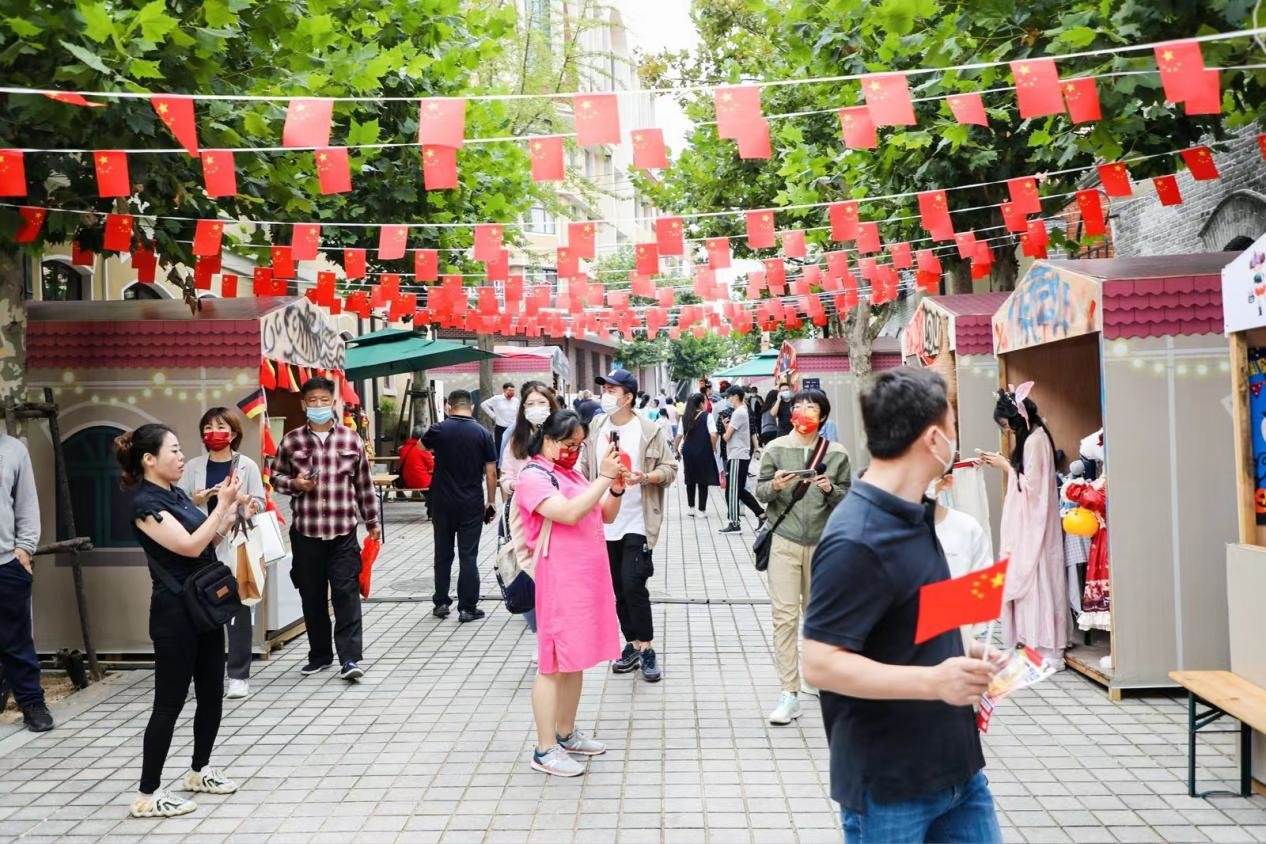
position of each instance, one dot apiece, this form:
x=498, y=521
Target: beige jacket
x=657, y=456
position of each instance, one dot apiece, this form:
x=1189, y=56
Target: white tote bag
x=268, y=530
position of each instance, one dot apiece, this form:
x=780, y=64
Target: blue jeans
x=964, y=813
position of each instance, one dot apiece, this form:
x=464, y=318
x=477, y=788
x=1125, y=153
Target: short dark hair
x=735, y=391
x=817, y=397
x=507, y=386
x=317, y=382
x=459, y=398
x=226, y=416
x=898, y=406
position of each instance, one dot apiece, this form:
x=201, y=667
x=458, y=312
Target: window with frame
x=61, y=282
x=539, y=220
x=101, y=506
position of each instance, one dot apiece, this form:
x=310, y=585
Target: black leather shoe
x=441, y=611
x=37, y=718
x=469, y=615
x=731, y=528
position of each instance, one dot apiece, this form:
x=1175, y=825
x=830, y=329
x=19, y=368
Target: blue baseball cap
x=620, y=378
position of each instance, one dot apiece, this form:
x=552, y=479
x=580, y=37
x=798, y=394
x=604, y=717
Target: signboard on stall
x=1244, y=289
x=300, y=334
x=1048, y=305
x=811, y=384
x=928, y=334
x=785, y=365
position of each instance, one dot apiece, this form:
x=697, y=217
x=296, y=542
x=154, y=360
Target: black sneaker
x=650, y=666
x=469, y=615
x=314, y=668
x=37, y=718
x=442, y=611
x=351, y=672
x=628, y=661
x=732, y=527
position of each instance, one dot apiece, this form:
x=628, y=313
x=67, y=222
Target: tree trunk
x=12, y=328
x=857, y=331
x=1006, y=269
x=485, y=343
x=960, y=277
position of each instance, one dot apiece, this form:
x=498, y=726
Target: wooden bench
x=1224, y=693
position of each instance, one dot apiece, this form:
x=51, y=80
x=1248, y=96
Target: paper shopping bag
x=266, y=527
x=368, y=553
x=249, y=573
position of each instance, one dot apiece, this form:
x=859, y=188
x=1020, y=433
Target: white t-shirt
x=630, y=518
x=968, y=548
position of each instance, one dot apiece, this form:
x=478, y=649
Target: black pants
x=703, y=496
x=631, y=567
x=497, y=433
x=17, y=647
x=181, y=654
x=327, y=571
x=239, y=634
x=736, y=491
x=460, y=531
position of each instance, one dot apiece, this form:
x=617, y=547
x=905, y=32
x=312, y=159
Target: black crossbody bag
x=765, y=536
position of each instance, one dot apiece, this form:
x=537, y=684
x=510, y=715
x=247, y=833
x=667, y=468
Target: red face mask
x=567, y=459
x=805, y=421
x=217, y=440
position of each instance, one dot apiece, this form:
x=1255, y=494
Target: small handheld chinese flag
x=973, y=598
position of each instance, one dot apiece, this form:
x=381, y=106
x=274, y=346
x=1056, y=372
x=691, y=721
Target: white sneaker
x=557, y=762
x=237, y=689
x=787, y=710
x=582, y=744
x=209, y=781
x=160, y=804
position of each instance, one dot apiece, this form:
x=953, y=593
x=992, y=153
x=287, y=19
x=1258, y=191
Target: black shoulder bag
x=210, y=593
x=765, y=536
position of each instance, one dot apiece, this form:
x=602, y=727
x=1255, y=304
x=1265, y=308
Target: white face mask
x=948, y=463
x=785, y=395
x=536, y=415
x=609, y=403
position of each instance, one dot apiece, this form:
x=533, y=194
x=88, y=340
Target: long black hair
x=521, y=436
x=1006, y=412
x=694, y=406
x=560, y=425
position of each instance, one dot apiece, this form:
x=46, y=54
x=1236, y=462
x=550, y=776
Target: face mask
x=609, y=403
x=805, y=421
x=217, y=440
x=785, y=395
x=567, y=459
x=536, y=415
x=948, y=463
x=931, y=490
x=320, y=415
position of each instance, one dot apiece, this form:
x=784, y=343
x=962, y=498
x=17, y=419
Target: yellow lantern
x=1081, y=522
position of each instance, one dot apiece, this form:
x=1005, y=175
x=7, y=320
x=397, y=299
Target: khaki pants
x=789, y=569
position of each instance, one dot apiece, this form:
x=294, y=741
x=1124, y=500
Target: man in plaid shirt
x=324, y=469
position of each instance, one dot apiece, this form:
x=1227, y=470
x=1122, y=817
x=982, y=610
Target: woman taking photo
x=204, y=476
x=697, y=447
x=577, y=626
x=177, y=539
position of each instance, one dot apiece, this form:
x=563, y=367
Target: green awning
x=761, y=366
x=392, y=351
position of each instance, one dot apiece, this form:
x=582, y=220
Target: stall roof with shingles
x=146, y=334
x=831, y=354
x=973, y=319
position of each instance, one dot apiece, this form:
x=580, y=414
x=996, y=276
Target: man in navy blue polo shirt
x=906, y=763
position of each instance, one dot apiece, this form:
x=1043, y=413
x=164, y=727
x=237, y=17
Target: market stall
x=1132, y=346
x=116, y=365
x=514, y=364
x=757, y=371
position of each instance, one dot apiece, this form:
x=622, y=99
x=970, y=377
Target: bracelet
x=608, y=477
x=615, y=494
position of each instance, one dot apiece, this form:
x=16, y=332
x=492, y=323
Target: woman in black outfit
x=697, y=446
x=178, y=539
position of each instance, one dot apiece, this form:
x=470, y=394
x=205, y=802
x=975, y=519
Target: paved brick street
x=433, y=744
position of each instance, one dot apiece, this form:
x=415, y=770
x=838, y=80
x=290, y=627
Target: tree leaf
x=154, y=21
x=22, y=27
x=86, y=56
x=98, y=25
x=217, y=13
x=144, y=69
x=1077, y=37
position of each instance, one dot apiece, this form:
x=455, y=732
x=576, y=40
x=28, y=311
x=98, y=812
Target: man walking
x=324, y=469
x=465, y=460
x=738, y=443
x=905, y=752
x=19, y=534
x=632, y=536
x=504, y=411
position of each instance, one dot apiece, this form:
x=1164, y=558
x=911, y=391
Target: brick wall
x=1212, y=214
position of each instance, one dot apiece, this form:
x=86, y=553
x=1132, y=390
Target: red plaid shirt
x=344, y=489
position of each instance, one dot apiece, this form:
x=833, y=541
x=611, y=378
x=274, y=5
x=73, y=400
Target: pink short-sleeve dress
x=576, y=624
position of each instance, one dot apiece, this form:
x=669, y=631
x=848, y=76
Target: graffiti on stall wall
x=929, y=333
x=1048, y=305
x=299, y=334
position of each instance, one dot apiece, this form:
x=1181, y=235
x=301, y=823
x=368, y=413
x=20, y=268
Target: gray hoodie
x=19, y=508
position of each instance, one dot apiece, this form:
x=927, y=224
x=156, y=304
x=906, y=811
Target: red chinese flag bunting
x=1115, y=179
x=547, y=158
x=442, y=122
x=112, y=177
x=858, y=128
x=647, y=259
x=354, y=263
x=12, y=173
x=81, y=256
x=488, y=237
x=1081, y=96
x=718, y=252
x=929, y=262
x=836, y=265
x=333, y=170
x=145, y=262
x=203, y=269
x=1206, y=95
x=597, y=119
x=648, y=149
x=70, y=98
x=118, y=233
x=1014, y=220
x=324, y=294
x=498, y=269
x=1181, y=69
x=793, y=245
x=308, y=122
x=262, y=281
x=305, y=241
x=934, y=212
x=426, y=264
x=1037, y=88
x=902, y=256
x=754, y=141
x=966, y=243
x=1024, y=196
x=219, y=172
x=283, y=258
x=32, y=222
x=1092, y=222
x=968, y=109
x=1200, y=163
x=868, y=238
x=567, y=264
x=439, y=168
x=1261, y=145
x=580, y=239
x=228, y=286
x=391, y=242
x=177, y=115
x=1037, y=234
x=668, y=233
x=887, y=96
x=736, y=106
x=982, y=255
x=666, y=297
x=776, y=276
x=1167, y=190
x=760, y=229
x=974, y=598
x=207, y=236
x=843, y=217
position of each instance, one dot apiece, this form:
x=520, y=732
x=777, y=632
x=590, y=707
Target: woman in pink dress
x=576, y=624
x=1035, y=603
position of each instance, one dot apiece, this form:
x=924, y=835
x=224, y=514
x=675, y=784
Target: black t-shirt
x=152, y=499
x=463, y=448
x=784, y=418
x=217, y=471
x=876, y=552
